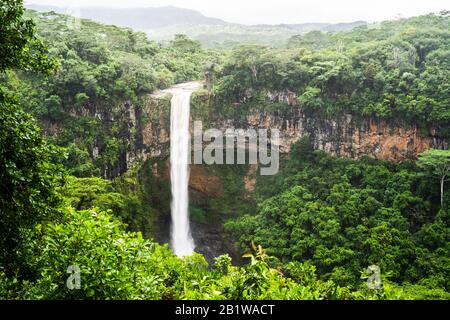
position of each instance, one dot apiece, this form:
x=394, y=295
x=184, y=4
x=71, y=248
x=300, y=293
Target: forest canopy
x=394, y=70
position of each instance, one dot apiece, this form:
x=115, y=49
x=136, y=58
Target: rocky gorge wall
x=144, y=131
x=343, y=135
x=346, y=136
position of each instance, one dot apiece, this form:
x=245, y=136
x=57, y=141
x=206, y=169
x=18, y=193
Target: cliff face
x=342, y=135
x=111, y=134
x=144, y=132
x=346, y=136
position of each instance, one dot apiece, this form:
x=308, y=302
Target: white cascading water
x=182, y=242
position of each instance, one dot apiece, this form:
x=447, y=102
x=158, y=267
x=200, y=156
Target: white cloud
x=281, y=11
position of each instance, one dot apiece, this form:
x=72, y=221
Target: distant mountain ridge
x=162, y=23
x=155, y=17
x=138, y=18
x=326, y=26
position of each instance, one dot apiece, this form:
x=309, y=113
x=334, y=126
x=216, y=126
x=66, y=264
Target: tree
x=438, y=163
x=28, y=177
x=19, y=46
x=184, y=43
x=249, y=56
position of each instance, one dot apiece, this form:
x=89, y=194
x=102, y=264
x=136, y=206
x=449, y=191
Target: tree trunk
x=442, y=191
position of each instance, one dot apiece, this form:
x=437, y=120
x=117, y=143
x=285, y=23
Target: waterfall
x=182, y=242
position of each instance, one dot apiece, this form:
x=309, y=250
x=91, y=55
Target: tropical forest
x=101, y=196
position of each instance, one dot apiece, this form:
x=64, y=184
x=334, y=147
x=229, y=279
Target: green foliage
x=105, y=74
x=342, y=216
x=125, y=197
x=229, y=35
x=392, y=70
x=115, y=264
x=28, y=173
x=86, y=193
x=28, y=178
x=197, y=214
x=19, y=45
x=79, y=163
x=438, y=163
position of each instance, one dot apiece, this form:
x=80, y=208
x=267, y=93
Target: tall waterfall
x=182, y=242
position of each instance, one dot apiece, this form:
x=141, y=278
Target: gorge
x=94, y=169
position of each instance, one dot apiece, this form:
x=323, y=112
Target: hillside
x=162, y=24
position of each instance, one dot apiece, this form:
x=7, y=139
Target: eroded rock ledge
x=342, y=135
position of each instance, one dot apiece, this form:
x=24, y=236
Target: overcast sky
x=280, y=11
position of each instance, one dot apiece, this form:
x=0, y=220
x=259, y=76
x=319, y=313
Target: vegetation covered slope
x=163, y=23
x=395, y=70
x=104, y=73
x=343, y=216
